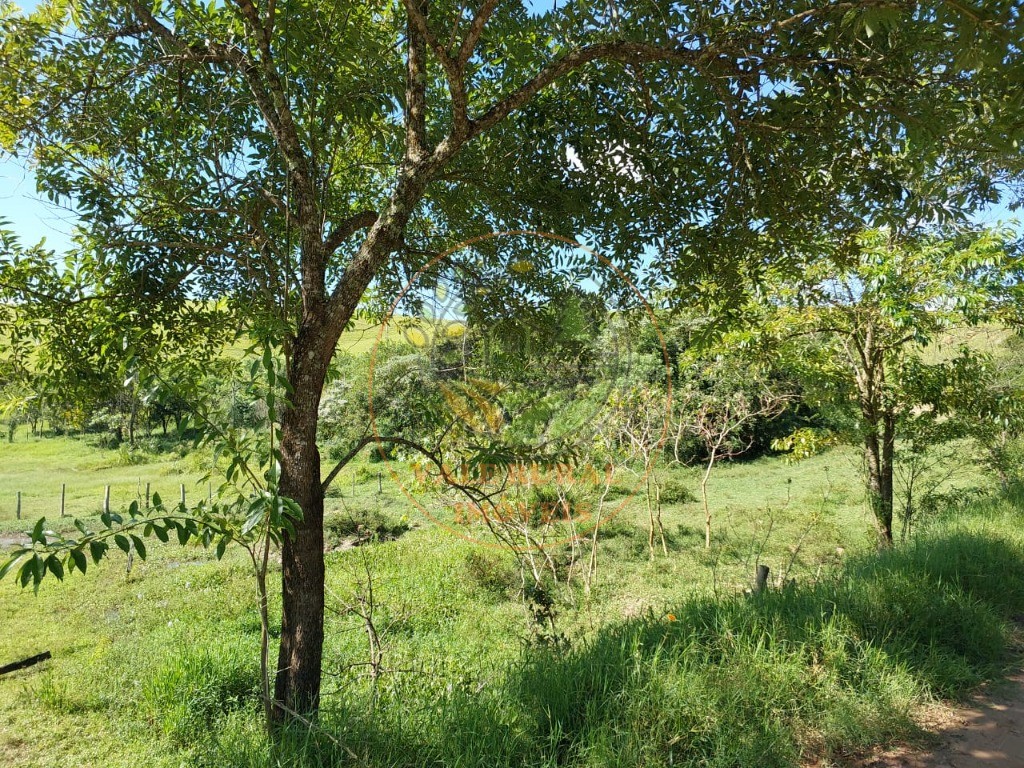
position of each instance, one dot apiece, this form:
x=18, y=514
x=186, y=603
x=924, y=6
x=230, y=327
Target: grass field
x=665, y=662
x=38, y=466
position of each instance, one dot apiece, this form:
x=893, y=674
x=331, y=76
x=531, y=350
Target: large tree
x=293, y=154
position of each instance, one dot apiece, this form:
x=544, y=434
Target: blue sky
x=28, y=213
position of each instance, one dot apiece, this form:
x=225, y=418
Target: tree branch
x=622, y=51
x=416, y=81
x=347, y=228
x=476, y=28
x=365, y=440
x=453, y=71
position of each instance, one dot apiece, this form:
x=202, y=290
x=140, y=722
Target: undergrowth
x=770, y=679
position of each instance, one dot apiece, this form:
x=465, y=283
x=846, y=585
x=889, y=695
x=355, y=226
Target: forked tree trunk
x=879, y=455
x=300, y=657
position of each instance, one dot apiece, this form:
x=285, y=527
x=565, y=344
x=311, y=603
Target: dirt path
x=988, y=733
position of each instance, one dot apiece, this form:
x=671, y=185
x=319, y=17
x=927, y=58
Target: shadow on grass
x=768, y=680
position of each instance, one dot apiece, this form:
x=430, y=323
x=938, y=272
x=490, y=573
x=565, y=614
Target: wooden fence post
x=147, y=495
x=18, y=510
x=761, y=580
x=106, y=499
x=63, y=495
x=183, y=494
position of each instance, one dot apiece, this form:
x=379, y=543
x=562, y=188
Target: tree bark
x=879, y=457
x=297, y=684
x=880, y=429
x=886, y=479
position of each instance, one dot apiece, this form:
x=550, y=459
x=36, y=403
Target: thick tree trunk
x=297, y=686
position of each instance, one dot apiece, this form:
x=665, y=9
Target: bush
x=490, y=572
x=362, y=525
x=674, y=492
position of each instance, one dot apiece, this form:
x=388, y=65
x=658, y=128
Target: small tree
x=862, y=337
x=641, y=418
x=723, y=418
x=990, y=400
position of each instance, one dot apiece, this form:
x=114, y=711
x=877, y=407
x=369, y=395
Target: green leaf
x=79, y=560
x=294, y=510
x=55, y=567
x=6, y=567
x=37, y=531
x=140, y=547
x=161, y=533
x=222, y=545
x=122, y=543
x=183, y=535
x=97, y=549
x=254, y=518
x=27, y=572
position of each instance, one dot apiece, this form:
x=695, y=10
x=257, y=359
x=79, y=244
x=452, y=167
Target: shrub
x=490, y=572
x=674, y=492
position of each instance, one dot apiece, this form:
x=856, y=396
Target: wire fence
x=70, y=499
x=67, y=501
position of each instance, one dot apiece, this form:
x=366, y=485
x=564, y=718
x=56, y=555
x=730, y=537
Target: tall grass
x=769, y=680
x=194, y=687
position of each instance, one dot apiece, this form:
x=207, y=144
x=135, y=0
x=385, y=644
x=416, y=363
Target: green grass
x=38, y=466
x=667, y=662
